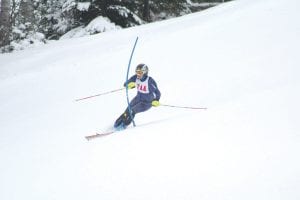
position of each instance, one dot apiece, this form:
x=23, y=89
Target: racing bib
x=142, y=86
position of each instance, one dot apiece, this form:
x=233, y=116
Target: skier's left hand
x=155, y=103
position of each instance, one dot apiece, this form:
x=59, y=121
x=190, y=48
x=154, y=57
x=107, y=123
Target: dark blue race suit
x=147, y=91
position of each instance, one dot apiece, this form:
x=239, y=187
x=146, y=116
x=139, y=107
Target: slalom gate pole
x=104, y=93
x=129, y=108
x=185, y=107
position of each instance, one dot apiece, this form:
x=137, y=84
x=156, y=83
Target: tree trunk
x=27, y=14
x=5, y=22
x=146, y=12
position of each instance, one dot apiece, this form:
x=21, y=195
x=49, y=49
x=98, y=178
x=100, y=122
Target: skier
x=148, y=95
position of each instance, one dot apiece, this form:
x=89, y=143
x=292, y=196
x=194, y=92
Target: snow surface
x=83, y=6
x=240, y=59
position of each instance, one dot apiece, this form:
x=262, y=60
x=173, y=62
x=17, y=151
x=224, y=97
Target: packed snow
x=239, y=59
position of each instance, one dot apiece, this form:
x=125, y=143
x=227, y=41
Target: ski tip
x=87, y=138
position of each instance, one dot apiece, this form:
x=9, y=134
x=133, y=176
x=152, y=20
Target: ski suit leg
x=136, y=107
x=125, y=117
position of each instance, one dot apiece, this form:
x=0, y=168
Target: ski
x=102, y=134
x=108, y=132
x=97, y=135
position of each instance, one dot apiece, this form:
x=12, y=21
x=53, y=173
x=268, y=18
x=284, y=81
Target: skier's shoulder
x=151, y=80
x=133, y=78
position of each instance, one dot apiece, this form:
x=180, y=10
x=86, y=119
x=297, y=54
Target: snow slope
x=239, y=59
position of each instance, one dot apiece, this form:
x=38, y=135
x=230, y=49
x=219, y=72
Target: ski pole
x=108, y=92
x=185, y=107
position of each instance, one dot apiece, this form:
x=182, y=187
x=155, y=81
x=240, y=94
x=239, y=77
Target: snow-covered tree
x=27, y=22
x=56, y=17
x=119, y=12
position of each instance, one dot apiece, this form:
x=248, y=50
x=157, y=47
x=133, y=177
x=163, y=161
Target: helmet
x=143, y=68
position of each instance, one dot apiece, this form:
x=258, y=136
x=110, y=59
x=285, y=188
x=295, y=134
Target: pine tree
x=168, y=8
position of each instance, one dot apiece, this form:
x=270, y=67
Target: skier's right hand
x=131, y=85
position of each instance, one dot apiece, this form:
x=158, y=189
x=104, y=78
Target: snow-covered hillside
x=239, y=59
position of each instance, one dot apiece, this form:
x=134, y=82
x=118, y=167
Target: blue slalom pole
x=129, y=108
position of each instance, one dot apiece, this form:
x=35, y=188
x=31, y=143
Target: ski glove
x=155, y=103
x=131, y=85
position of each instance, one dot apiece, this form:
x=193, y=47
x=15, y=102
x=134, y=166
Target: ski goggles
x=139, y=72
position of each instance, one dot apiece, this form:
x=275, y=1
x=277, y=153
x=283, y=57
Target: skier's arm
x=156, y=93
x=154, y=89
x=131, y=82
